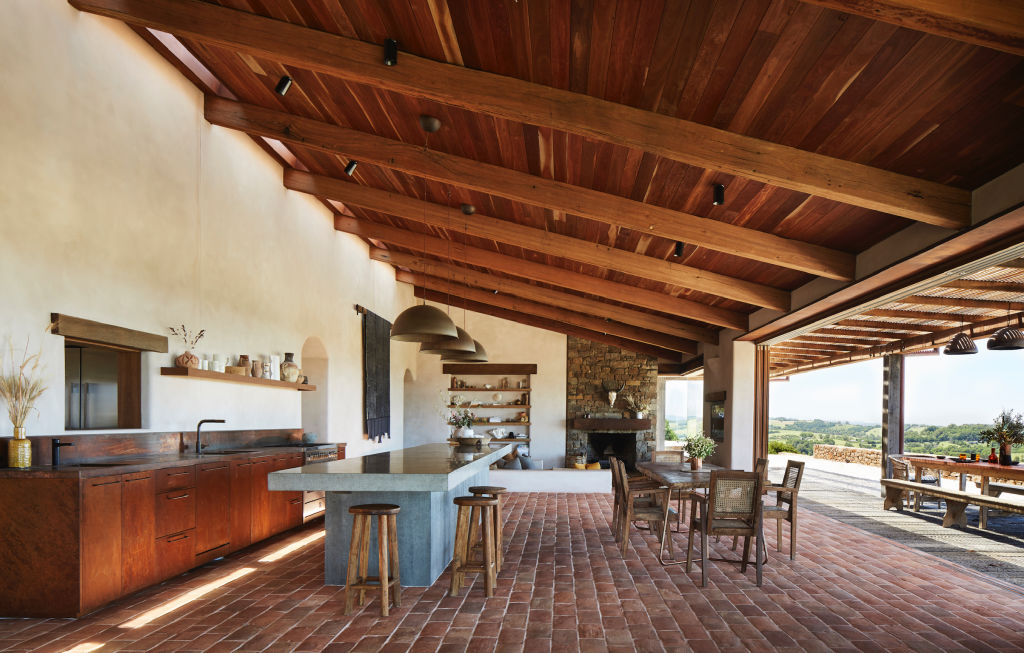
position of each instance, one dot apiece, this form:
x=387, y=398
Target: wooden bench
x=995, y=489
x=956, y=501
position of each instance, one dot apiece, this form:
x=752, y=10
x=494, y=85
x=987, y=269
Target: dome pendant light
x=960, y=345
x=478, y=356
x=1006, y=339
x=463, y=343
x=423, y=323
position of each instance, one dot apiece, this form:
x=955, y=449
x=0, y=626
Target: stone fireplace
x=588, y=415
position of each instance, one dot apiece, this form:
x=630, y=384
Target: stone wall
x=587, y=365
x=871, y=457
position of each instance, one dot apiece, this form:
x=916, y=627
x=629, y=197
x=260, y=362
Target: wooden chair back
x=734, y=495
x=900, y=469
x=791, y=479
x=614, y=465
x=667, y=457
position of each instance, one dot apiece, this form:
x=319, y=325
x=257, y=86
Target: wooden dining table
x=983, y=469
x=675, y=476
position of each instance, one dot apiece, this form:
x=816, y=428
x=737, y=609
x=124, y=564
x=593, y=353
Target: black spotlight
x=468, y=209
x=718, y=194
x=679, y=249
x=391, y=52
x=351, y=167
x=283, y=85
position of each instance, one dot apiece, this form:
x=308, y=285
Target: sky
x=939, y=390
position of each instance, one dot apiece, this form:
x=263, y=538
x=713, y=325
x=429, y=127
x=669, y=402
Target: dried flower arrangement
x=639, y=401
x=188, y=338
x=21, y=383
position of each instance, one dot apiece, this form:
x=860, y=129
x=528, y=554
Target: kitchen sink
x=214, y=453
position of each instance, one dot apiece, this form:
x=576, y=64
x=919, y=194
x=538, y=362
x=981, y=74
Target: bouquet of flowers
x=461, y=418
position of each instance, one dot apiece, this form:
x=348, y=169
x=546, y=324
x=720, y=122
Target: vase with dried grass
x=189, y=339
x=21, y=385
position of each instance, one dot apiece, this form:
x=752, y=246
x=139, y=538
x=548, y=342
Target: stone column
x=892, y=410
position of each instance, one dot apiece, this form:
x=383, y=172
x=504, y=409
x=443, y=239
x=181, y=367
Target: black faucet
x=199, y=428
x=55, y=445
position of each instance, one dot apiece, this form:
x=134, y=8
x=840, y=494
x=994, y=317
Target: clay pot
x=695, y=464
x=188, y=359
x=289, y=369
x=257, y=368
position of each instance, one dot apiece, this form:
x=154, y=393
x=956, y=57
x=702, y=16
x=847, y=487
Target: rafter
x=996, y=24
x=923, y=315
x=520, y=101
x=549, y=312
x=559, y=277
x=890, y=326
x=538, y=240
x=530, y=189
x=549, y=325
x=511, y=287
x=857, y=333
x=988, y=286
x=963, y=302
x=815, y=338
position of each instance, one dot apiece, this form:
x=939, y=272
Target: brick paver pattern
x=564, y=588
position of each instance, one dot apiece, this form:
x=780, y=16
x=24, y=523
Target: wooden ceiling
x=587, y=135
x=979, y=304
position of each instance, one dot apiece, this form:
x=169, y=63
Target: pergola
x=866, y=155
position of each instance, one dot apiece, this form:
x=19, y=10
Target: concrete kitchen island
x=422, y=480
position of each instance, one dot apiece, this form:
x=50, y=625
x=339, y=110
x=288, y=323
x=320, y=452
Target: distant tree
x=670, y=433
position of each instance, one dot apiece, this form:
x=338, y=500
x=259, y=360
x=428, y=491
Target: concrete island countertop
x=436, y=467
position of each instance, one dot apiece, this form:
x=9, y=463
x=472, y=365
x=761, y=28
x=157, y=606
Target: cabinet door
x=100, y=543
x=261, y=506
x=213, y=506
x=241, y=505
x=294, y=499
x=175, y=553
x=138, y=532
x=175, y=511
x=286, y=505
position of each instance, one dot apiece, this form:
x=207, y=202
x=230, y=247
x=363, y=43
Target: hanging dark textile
x=376, y=376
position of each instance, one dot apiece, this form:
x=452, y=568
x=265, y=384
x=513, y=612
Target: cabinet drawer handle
x=132, y=480
x=177, y=474
x=177, y=539
x=106, y=483
x=176, y=498
x=295, y=501
x=213, y=469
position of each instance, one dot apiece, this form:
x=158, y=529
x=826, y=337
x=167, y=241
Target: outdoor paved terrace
x=566, y=588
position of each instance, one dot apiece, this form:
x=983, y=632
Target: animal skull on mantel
x=612, y=391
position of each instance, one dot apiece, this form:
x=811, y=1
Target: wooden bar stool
x=387, y=554
x=476, y=515
x=498, y=493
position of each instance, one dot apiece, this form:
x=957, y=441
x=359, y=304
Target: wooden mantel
x=621, y=424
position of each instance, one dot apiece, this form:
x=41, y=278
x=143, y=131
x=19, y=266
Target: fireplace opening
x=621, y=445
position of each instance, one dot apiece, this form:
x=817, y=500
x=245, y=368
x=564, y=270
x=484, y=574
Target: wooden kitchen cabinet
x=286, y=507
x=241, y=504
x=138, y=532
x=100, y=543
x=175, y=511
x=213, y=509
x=176, y=553
x=262, y=499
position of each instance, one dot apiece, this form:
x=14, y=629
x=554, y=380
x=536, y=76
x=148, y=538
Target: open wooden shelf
x=493, y=406
x=499, y=440
x=488, y=389
x=210, y=375
x=476, y=424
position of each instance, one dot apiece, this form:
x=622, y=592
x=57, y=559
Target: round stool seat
x=488, y=489
x=375, y=509
x=476, y=502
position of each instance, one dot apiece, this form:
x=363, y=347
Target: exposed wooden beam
x=810, y=349
x=559, y=277
x=538, y=191
x=922, y=315
x=996, y=24
x=520, y=305
x=538, y=240
x=681, y=369
x=520, y=101
x=890, y=326
x=564, y=300
x=987, y=286
x=963, y=302
x=1014, y=264
x=833, y=341
x=917, y=343
x=549, y=325
x=872, y=334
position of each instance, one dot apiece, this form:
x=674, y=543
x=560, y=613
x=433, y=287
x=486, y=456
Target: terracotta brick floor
x=566, y=588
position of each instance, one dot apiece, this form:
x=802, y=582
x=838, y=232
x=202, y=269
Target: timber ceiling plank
x=495, y=284
x=519, y=100
x=522, y=187
x=553, y=244
x=546, y=274
x=549, y=325
x=520, y=305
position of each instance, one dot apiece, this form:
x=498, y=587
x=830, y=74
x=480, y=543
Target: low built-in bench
x=553, y=480
x=956, y=501
x=995, y=489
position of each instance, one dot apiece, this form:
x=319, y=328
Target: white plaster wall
x=122, y=205
x=506, y=342
x=729, y=366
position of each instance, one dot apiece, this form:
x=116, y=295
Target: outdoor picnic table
x=983, y=469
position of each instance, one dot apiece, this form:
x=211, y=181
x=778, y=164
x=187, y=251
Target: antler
x=604, y=386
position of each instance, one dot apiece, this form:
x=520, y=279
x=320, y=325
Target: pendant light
x=478, y=356
x=1008, y=338
x=960, y=345
x=463, y=343
x=423, y=323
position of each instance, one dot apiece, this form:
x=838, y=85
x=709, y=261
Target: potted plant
x=189, y=340
x=1007, y=430
x=20, y=386
x=698, y=448
x=462, y=420
x=638, y=403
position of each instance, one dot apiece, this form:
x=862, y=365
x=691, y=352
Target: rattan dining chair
x=732, y=506
x=678, y=495
x=901, y=471
x=667, y=457
x=642, y=501
x=640, y=489
x=785, y=506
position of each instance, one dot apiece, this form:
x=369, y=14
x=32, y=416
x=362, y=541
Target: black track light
x=718, y=194
x=351, y=167
x=679, y=249
x=283, y=85
x=468, y=209
x=391, y=52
